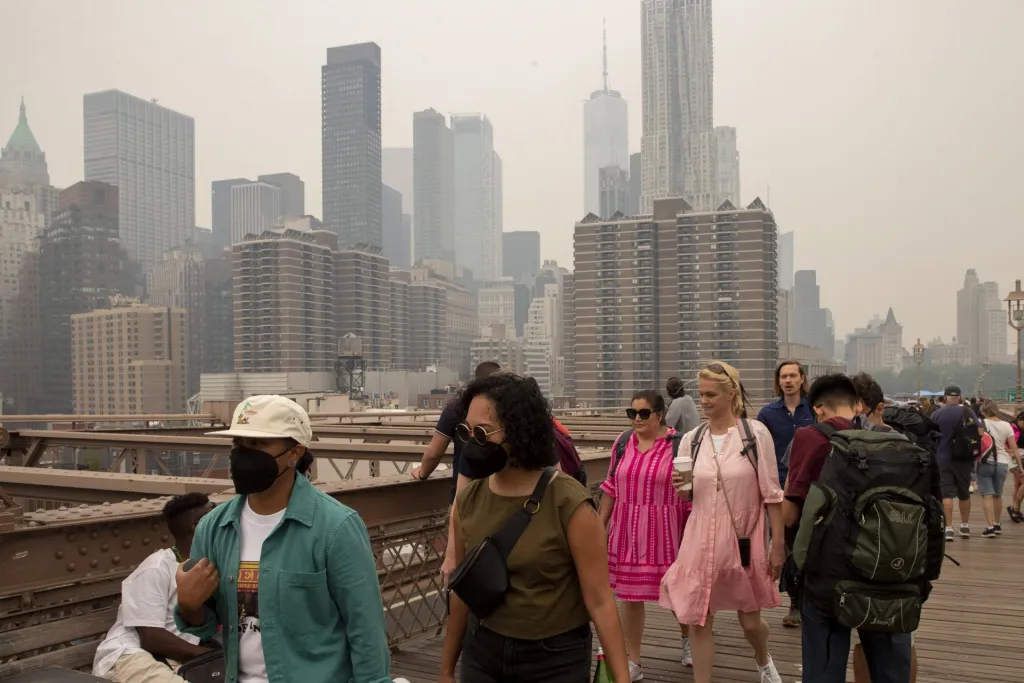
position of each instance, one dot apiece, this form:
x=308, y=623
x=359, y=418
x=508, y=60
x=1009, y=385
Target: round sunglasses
x=478, y=433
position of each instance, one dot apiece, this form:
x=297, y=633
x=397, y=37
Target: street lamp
x=1015, y=315
x=918, y=360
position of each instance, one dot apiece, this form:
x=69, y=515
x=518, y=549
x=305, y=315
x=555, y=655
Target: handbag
x=206, y=668
x=481, y=579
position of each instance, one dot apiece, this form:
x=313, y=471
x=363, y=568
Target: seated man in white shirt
x=144, y=636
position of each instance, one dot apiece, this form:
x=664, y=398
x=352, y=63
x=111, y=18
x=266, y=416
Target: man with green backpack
x=871, y=495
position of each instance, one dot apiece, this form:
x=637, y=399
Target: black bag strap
x=749, y=443
x=505, y=539
x=619, y=452
x=676, y=439
x=698, y=436
x=825, y=428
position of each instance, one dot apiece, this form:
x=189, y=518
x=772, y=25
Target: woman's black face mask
x=253, y=470
x=481, y=460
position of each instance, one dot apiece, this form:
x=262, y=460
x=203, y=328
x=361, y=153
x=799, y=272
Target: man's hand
x=197, y=585
x=417, y=473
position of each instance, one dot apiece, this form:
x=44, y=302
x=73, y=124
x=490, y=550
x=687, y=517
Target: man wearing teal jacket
x=285, y=569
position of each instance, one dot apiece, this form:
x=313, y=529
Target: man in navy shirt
x=783, y=417
x=956, y=474
x=444, y=434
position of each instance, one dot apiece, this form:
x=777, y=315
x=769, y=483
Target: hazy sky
x=888, y=130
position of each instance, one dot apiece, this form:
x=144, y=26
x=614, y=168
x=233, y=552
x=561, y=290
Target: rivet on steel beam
x=94, y=563
x=106, y=502
x=107, y=512
x=154, y=526
x=59, y=554
x=63, y=508
x=71, y=537
x=116, y=559
x=83, y=550
x=115, y=531
x=165, y=538
x=94, y=534
x=83, y=505
x=126, y=545
x=71, y=566
x=145, y=541
x=124, y=502
x=104, y=548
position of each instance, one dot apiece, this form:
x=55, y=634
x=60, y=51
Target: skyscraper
x=179, y=283
x=980, y=319
x=643, y=311
x=220, y=210
x=396, y=170
x=255, y=207
x=148, y=153
x=433, y=187
x=635, y=175
x=614, y=191
x=81, y=266
x=293, y=192
x=351, y=152
x=520, y=254
x=728, y=182
x=605, y=137
x=810, y=323
x=397, y=240
x=22, y=161
x=477, y=197
x=678, y=145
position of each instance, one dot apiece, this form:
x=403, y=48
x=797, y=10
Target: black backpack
x=871, y=535
x=913, y=424
x=966, y=444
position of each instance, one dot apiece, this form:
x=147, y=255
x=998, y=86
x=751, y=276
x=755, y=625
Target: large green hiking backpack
x=871, y=536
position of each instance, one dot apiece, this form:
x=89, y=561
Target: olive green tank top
x=544, y=597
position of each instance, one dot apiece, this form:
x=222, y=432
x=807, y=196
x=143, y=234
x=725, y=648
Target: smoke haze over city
x=887, y=132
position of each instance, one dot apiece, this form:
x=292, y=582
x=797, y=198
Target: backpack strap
x=698, y=436
x=749, y=443
x=619, y=451
x=825, y=428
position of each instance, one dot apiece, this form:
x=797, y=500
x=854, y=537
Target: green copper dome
x=22, y=138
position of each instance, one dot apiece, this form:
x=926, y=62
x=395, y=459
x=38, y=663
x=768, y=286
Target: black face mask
x=480, y=461
x=253, y=470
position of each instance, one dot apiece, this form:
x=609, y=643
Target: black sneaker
x=989, y=532
x=998, y=528
x=965, y=530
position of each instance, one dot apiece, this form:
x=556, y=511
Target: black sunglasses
x=478, y=433
x=643, y=413
x=719, y=370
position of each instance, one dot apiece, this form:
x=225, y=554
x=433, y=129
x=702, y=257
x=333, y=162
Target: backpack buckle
x=862, y=460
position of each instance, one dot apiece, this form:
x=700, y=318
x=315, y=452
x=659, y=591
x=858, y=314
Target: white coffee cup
x=684, y=465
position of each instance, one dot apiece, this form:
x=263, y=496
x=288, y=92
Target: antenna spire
x=604, y=39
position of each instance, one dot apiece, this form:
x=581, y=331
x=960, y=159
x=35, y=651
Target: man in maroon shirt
x=825, y=644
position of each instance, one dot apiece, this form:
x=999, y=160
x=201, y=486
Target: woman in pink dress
x=732, y=488
x=643, y=515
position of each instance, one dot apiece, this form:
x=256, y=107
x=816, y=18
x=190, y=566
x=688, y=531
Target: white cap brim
x=253, y=434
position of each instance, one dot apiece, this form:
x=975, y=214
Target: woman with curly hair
x=558, y=568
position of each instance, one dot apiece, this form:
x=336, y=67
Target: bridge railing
x=62, y=569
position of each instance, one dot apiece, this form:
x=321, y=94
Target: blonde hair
x=730, y=379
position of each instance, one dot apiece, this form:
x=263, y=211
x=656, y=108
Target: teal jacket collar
x=301, y=505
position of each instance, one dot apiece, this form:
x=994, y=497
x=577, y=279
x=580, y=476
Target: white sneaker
x=687, y=658
x=636, y=673
x=769, y=674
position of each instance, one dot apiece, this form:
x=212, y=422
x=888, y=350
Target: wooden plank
x=74, y=657
x=56, y=632
x=971, y=630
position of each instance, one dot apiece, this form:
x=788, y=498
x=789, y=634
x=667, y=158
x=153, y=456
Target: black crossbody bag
x=481, y=579
x=206, y=668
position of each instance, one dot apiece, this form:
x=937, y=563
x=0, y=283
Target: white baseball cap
x=269, y=417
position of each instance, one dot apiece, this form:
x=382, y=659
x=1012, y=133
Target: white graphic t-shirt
x=255, y=529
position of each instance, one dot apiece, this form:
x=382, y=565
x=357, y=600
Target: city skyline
x=807, y=180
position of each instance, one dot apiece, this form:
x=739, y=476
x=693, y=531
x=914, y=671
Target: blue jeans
x=826, y=650
x=991, y=478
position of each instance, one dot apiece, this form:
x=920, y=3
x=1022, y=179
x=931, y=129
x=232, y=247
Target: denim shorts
x=991, y=478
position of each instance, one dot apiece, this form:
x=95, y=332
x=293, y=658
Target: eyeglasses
x=478, y=433
x=643, y=413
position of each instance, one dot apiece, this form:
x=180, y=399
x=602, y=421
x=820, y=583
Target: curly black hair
x=868, y=390
x=177, y=506
x=525, y=416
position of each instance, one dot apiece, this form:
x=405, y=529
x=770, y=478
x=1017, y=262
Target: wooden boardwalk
x=972, y=630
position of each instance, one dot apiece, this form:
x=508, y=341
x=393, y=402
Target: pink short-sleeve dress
x=707, y=576
x=647, y=521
